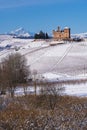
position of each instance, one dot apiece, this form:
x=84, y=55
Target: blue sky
x=46, y=15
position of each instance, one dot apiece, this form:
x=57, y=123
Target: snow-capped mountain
x=80, y=35
x=21, y=33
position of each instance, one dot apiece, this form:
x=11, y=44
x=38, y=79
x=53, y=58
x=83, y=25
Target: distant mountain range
x=80, y=35
x=21, y=33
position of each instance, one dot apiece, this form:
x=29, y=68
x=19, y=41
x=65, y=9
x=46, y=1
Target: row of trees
x=41, y=35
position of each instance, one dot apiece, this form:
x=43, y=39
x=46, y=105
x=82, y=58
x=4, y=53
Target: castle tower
x=66, y=33
x=58, y=28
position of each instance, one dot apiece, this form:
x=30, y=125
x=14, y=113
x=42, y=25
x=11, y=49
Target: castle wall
x=61, y=35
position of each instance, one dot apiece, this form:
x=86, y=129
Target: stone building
x=61, y=34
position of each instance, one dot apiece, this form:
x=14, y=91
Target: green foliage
x=41, y=35
x=47, y=37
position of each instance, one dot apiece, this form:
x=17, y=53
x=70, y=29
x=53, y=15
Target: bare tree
x=34, y=76
x=52, y=93
x=2, y=83
x=14, y=71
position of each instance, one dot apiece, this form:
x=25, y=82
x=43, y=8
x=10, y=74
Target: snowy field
x=63, y=61
x=79, y=90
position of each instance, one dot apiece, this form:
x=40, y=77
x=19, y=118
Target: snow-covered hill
x=80, y=35
x=21, y=33
x=63, y=62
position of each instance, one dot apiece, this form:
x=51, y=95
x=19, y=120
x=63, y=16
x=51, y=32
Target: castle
x=61, y=34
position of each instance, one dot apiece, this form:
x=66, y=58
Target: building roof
x=66, y=27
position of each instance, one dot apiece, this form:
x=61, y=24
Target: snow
x=56, y=51
x=66, y=28
x=20, y=42
x=80, y=35
x=51, y=76
x=79, y=90
x=19, y=29
x=76, y=89
x=20, y=32
x=29, y=90
x=53, y=63
x=55, y=77
x=62, y=77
